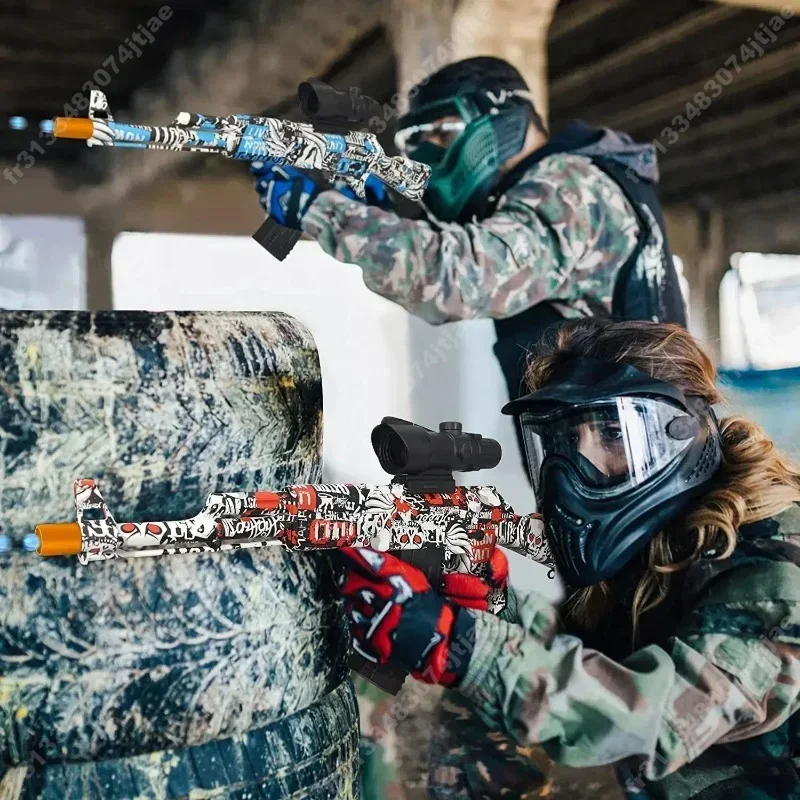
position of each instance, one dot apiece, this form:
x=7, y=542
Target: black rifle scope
x=322, y=103
x=408, y=449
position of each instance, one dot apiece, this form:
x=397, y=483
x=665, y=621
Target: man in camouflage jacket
x=541, y=230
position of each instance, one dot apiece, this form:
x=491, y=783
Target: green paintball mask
x=465, y=140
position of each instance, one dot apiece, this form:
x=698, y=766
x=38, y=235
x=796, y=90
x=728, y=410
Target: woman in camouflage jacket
x=680, y=663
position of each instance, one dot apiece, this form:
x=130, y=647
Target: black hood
x=581, y=139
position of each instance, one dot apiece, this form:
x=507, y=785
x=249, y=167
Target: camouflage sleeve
x=561, y=233
x=663, y=707
x=532, y=610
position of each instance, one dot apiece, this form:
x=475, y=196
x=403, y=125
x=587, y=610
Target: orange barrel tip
x=59, y=539
x=72, y=128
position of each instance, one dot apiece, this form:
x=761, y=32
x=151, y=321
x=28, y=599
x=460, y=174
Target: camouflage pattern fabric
x=561, y=233
x=717, y=708
x=379, y=780
x=469, y=761
x=434, y=746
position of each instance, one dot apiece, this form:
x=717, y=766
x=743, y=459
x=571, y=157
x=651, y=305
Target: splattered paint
x=161, y=409
x=241, y=656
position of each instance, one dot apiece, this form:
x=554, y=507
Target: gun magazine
x=277, y=240
x=385, y=676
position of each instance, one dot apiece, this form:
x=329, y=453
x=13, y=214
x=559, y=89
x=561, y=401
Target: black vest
x=633, y=297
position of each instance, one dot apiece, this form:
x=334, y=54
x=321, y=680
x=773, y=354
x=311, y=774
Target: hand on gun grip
x=470, y=591
x=375, y=190
x=395, y=616
x=285, y=193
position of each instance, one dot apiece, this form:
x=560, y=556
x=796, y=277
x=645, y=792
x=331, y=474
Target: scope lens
x=309, y=100
x=391, y=450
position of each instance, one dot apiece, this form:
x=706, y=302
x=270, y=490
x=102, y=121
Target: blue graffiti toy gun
x=339, y=154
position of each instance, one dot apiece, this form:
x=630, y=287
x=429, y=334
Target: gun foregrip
x=387, y=676
x=409, y=178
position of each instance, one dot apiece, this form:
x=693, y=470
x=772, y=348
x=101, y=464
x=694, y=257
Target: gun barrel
x=73, y=128
x=59, y=539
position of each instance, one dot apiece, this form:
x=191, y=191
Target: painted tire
x=126, y=659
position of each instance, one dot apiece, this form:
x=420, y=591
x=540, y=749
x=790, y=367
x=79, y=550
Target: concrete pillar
x=428, y=34
x=421, y=33
x=698, y=237
x=101, y=231
x=511, y=30
x=422, y=39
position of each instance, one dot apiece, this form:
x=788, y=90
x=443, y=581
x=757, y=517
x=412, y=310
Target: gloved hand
x=285, y=193
x=469, y=591
x=375, y=191
x=396, y=616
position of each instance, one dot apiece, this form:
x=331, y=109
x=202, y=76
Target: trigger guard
x=495, y=601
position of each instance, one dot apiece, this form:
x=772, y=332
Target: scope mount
x=427, y=482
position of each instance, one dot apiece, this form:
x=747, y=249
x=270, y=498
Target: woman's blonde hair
x=754, y=482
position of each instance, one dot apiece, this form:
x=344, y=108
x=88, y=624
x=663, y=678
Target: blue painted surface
x=771, y=398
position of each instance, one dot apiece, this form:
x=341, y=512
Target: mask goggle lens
x=437, y=124
x=614, y=445
x=440, y=134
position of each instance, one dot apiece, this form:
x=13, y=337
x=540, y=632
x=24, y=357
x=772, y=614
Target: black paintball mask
x=478, y=112
x=614, y=455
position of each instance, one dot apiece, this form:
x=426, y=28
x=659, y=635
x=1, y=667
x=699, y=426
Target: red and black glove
x=470, y=591
x=395, y=616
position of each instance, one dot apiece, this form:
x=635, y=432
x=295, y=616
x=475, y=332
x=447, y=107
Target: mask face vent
x=560, y=544
x=707, y=463
x=511, y=128
x=479, y=156
x=568, y=537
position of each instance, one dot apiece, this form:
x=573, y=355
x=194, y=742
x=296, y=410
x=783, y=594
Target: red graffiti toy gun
x=421, y=514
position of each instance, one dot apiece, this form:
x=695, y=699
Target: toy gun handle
x=389, y=677
x=277, y=240
x=325, y=107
